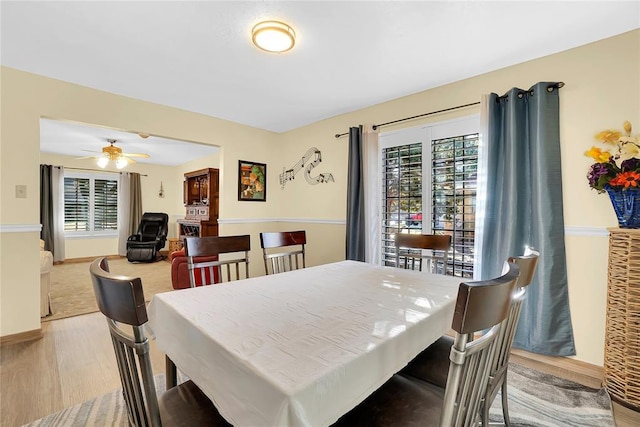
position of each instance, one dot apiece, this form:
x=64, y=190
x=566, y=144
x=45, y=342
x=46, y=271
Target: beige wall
x=602, y=90
x=25, y=99
x=322, y=240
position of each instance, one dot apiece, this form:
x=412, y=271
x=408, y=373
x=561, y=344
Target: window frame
x=423, y=134
x=92, y=177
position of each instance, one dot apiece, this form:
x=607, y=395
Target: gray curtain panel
x=135, y=207
x=46, y=207
x=355, y=244
x=524, y=207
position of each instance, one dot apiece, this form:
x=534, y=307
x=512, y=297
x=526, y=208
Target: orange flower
x=626, y=179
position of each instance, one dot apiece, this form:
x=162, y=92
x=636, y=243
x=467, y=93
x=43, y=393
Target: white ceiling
x=80, y=140
x=198, y=56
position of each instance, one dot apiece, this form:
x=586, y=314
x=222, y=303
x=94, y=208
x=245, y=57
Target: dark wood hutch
x=201, y=201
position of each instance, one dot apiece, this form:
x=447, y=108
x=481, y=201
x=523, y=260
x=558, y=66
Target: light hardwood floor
x=74, y=362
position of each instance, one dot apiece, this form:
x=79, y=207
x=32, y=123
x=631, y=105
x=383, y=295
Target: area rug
x=72, y=292
x=536, y=399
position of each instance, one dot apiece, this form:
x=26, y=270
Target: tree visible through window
x=90, y=204
x=435, y=180
x=454, y=163
x=401, y=195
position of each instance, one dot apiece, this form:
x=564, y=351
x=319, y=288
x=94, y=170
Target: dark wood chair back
x=121, y=300
x=410, y=251
x=279, y=261
x=226, y=268
x=480, y=306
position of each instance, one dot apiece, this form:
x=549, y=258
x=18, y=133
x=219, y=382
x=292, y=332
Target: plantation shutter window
x=90, y=205
x=402, y=195
x=105, y=205
x=453, y=188
x=428, y=186
x=76, y=204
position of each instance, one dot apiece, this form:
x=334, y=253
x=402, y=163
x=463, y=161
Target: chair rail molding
x=571, y=230
x=20, y=228
x=261, y=220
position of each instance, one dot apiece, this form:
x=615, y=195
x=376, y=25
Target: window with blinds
x=454, y=163
x=105, y=205
x=434, y=179
x=401, y=195
x=76, y=204
x=90, y=204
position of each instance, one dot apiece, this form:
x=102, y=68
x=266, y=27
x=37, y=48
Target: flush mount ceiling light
x=273, y=36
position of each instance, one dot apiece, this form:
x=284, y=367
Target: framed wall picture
x=252, y=181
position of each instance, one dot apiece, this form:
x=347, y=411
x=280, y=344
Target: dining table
x=304, y=347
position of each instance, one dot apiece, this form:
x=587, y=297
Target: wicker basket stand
x=622, y=337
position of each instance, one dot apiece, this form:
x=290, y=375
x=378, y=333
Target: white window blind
x=401, y=195
x=90, y=205
x=453, y=188
x=429, y=181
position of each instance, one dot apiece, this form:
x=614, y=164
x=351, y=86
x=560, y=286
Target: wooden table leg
x=171, y=373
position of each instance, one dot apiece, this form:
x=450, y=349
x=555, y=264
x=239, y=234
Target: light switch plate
x=21, y=191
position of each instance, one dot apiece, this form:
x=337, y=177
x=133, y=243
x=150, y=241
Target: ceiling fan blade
x=86, y=157
x=142, y=155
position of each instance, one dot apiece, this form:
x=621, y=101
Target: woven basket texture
x=622, y=342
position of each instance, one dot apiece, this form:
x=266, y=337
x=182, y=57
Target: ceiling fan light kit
x=103, y=161
x=273, y=36
x=121, y=162
x=115, y=154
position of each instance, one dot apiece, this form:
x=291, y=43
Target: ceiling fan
x=113, y=153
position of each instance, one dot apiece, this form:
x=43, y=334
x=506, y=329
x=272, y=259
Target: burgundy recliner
x=180, y=270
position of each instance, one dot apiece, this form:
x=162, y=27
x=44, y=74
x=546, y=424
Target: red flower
x=626, y=179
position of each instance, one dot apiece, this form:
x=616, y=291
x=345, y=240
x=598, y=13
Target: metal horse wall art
x=312, y=153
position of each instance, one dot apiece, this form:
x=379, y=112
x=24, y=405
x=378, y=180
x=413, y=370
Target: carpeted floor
x=72, y=292
x=535, y=400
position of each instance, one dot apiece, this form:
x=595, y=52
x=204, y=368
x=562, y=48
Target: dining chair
x=234, y=250
x=121, y=300
x=279, y=261
x=433, y=363
x=410, y=251
x=403, y=400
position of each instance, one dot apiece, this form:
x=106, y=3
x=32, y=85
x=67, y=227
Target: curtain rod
x=96, y=170
x=549, y=88
x=338, y=135
x=521, y=93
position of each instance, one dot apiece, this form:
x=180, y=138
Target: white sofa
x=46, y=263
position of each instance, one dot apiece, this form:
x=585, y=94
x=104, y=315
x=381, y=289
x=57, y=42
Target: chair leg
x=484, y=420
x=505, y=402
x=171, y=373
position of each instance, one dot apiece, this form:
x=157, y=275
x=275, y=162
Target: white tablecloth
x=304, y=347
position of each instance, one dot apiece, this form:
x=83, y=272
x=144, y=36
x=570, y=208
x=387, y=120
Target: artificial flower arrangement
x=617, y=166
